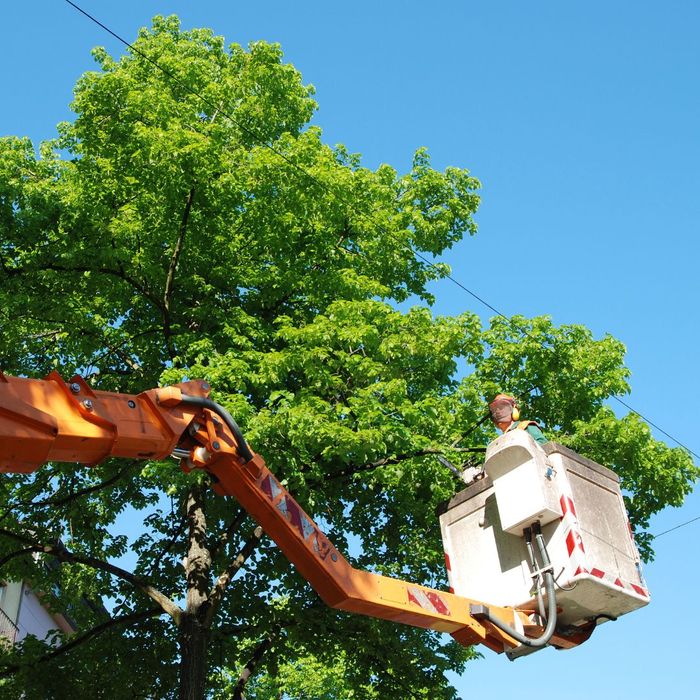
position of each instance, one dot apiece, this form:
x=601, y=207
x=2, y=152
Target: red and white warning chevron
x=449, y=571
x=573, y=538
x=616, y=581
x=577, y=552
x=428, y=600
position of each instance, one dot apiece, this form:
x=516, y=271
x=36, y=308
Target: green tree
x=190, y=222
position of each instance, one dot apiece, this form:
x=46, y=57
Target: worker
x=505, y=414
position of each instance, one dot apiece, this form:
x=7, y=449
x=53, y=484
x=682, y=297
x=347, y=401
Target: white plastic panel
x=488, y=562
x=589, y=543
x=33, y=618
x=524, y=483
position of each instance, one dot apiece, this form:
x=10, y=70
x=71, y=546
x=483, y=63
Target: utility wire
x=261, y=141
x=461, y=286
x=653, y=425
x=251, y=132
x=546, y=347
x=677, y=527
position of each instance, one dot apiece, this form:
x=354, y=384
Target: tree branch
x=61, y=553
x=117, y=349
x=84, y=492
x=71, y=497
x=128, y=361
x=229, y=532
x=170, y=279
x=168, y=546
x=304, y=614
x=357, y=469
x=234, y=630
x=90, y=634
x=56, y=267
x=255, y=660
x=18, y=553
x=105, y=271
x=217, y=591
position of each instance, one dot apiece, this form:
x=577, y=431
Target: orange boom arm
x=52, y=420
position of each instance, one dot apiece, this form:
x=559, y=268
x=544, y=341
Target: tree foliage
x=190, y=222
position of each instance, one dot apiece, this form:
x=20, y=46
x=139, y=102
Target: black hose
x=484, y=612
x=533, y=564
x=243, y=450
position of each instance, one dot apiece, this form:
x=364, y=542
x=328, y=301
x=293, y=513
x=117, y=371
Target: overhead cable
x=551, y=349
x=677, y=527
x=262, y=142
x=251, y=132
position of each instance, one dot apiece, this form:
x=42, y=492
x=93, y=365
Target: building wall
x=23, y=608
x=33, y=619
x=10, y=598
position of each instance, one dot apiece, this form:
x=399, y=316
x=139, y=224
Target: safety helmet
x=504, y=409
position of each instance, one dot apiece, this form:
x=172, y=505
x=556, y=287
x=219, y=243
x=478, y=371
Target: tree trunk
x=194, y=643
x=194, y=633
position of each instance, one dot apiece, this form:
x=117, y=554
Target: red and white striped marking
x=428, y=600
x=449, y=571
x=616, y=581
x=573, y=538
x=577, y=552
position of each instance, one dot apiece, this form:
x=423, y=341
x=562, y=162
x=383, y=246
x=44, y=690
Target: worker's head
x=503, y=410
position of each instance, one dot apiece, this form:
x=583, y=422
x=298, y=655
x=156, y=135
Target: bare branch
x=254, y=661
x=229, y=532
x=61, y=553
x=219, y=587
x=168, y=546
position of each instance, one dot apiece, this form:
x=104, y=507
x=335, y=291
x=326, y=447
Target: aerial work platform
x=579, y=507
x=529, y=500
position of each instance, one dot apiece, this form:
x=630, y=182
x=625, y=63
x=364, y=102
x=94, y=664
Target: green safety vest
x=532, y=428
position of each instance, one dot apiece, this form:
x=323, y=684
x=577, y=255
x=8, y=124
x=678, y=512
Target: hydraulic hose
x=533, y=564
x=484, y=612
x=243, y=450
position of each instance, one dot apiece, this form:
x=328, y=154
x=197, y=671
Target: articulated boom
x=53, y=420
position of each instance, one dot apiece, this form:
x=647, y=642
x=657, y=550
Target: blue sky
x=581, y=121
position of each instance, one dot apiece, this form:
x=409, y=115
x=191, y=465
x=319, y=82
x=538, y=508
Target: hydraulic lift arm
x=53, y=420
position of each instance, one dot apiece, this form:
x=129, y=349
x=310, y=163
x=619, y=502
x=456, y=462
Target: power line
x=251, y=132
x=257, y=137
x=677, y=527
x=461, y=286
x=653, y=425
x=551, y=349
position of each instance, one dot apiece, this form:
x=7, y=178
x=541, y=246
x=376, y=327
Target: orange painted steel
x=339, y=584
x=52, y=420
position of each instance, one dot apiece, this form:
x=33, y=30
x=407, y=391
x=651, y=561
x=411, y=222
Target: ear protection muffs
x=498, y=408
